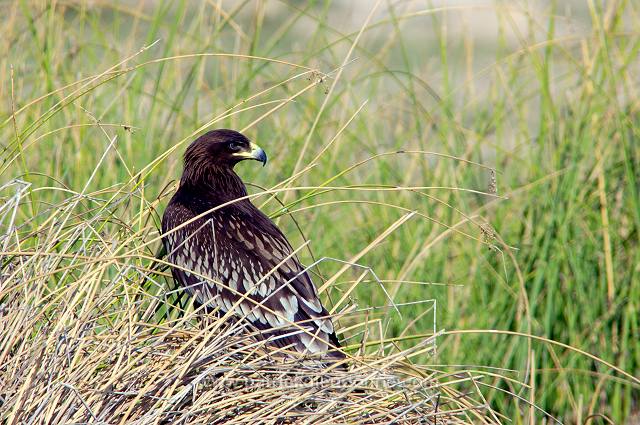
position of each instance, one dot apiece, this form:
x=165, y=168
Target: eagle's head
x=221, y=149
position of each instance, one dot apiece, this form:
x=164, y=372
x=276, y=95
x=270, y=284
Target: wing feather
x=267, y=249
x=242, y=249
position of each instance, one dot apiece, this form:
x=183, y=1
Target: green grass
x=548, y=99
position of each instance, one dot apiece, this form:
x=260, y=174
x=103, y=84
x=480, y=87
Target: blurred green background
x=545, y=93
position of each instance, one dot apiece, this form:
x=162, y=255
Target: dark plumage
x=241, y=248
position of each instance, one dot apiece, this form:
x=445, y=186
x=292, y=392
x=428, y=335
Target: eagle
x=231, y=257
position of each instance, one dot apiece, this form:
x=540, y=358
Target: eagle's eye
x=233, y=146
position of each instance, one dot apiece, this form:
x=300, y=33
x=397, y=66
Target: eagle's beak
x=254, y=152
x=258, y=154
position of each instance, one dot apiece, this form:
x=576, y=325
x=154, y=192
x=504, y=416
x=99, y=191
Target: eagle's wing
x=268, y=271
x=184, y=251
x=262, y=280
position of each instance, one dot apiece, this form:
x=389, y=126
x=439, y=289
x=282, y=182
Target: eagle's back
x=236, y=258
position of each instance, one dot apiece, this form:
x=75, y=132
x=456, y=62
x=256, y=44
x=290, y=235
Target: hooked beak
x=255, y=153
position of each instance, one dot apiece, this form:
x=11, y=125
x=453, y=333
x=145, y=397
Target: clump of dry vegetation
x=93, y=333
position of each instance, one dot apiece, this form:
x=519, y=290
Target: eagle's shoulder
x=176, y=213
x=257, y=235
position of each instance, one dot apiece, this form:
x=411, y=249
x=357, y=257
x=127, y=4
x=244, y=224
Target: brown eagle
x=234, y=257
